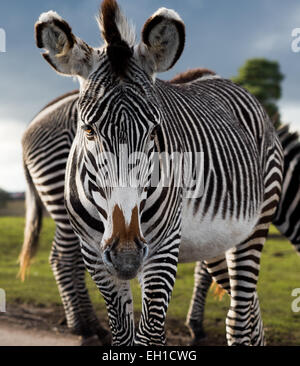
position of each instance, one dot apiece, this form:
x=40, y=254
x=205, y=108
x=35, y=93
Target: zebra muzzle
x=125, y=260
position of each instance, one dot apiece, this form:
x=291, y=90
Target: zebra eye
x=89, y=131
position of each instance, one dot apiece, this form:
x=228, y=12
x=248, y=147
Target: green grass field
x=280, y=274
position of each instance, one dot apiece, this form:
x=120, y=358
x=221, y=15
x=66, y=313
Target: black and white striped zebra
x=46, y=145
x=121, y=103
x=286, y=219
x=61, y=115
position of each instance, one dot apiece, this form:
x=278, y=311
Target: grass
x=280, y=274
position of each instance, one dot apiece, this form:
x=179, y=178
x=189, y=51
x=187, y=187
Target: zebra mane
x=118, y=34
x=191, y=75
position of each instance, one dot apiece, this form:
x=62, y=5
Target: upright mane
x=118, y=34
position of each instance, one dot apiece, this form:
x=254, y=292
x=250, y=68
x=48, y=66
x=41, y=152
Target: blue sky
x=220, y=35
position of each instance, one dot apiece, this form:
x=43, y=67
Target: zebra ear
x=163, y=38
x=66, y=53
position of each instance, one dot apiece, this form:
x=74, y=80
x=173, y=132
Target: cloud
x=271, y=42
x=275, y=36
x=290, y=113
x=11, y=166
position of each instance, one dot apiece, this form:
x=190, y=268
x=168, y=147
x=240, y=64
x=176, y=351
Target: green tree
x=4, y=197
x=263, y=79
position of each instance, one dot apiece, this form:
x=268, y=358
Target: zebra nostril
x=145, y=252
x=107, y=257
x=142, y=247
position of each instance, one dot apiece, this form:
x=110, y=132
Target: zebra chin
x=125, y=263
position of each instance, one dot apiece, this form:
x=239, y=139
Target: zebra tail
x=33, y=223
x=219, y=292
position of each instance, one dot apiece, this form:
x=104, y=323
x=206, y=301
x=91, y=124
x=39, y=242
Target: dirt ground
x=16, y=335
x=34, y=326
x=27, y=325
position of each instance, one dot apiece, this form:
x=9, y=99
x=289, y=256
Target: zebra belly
x=208, y=238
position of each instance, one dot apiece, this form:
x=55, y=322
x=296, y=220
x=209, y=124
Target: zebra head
x=119, y=115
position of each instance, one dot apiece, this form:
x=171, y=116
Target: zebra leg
x=215, y=269
x=244, y=315
x=119, y=304
x=218, y=269
x=157, y=282
x=91, y=321
x=194, y=321
x=117, y=296
x=244, y=323
x=257, y=325
x=69, y=272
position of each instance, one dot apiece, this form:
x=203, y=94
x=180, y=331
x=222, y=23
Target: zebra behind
x=135, y=230
x=46, y=145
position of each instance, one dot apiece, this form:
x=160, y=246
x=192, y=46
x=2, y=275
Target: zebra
x=135, y=230
x=45, y=156
x=61, y=113
x=286, y=219
x=287, y=215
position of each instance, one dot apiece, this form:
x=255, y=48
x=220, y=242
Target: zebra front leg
x=119, y=304
x=157, y=282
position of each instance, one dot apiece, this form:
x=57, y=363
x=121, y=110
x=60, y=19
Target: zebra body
x=61, y=115
x=210, y=229
x=136, y=231
x=286, y=219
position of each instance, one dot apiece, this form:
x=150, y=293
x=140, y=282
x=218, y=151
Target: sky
x=220, y=35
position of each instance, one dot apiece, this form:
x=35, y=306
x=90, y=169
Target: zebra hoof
x=196, y=340
x=197, y=334
x=104, y=336
x=90, y=341
x=62, y=321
